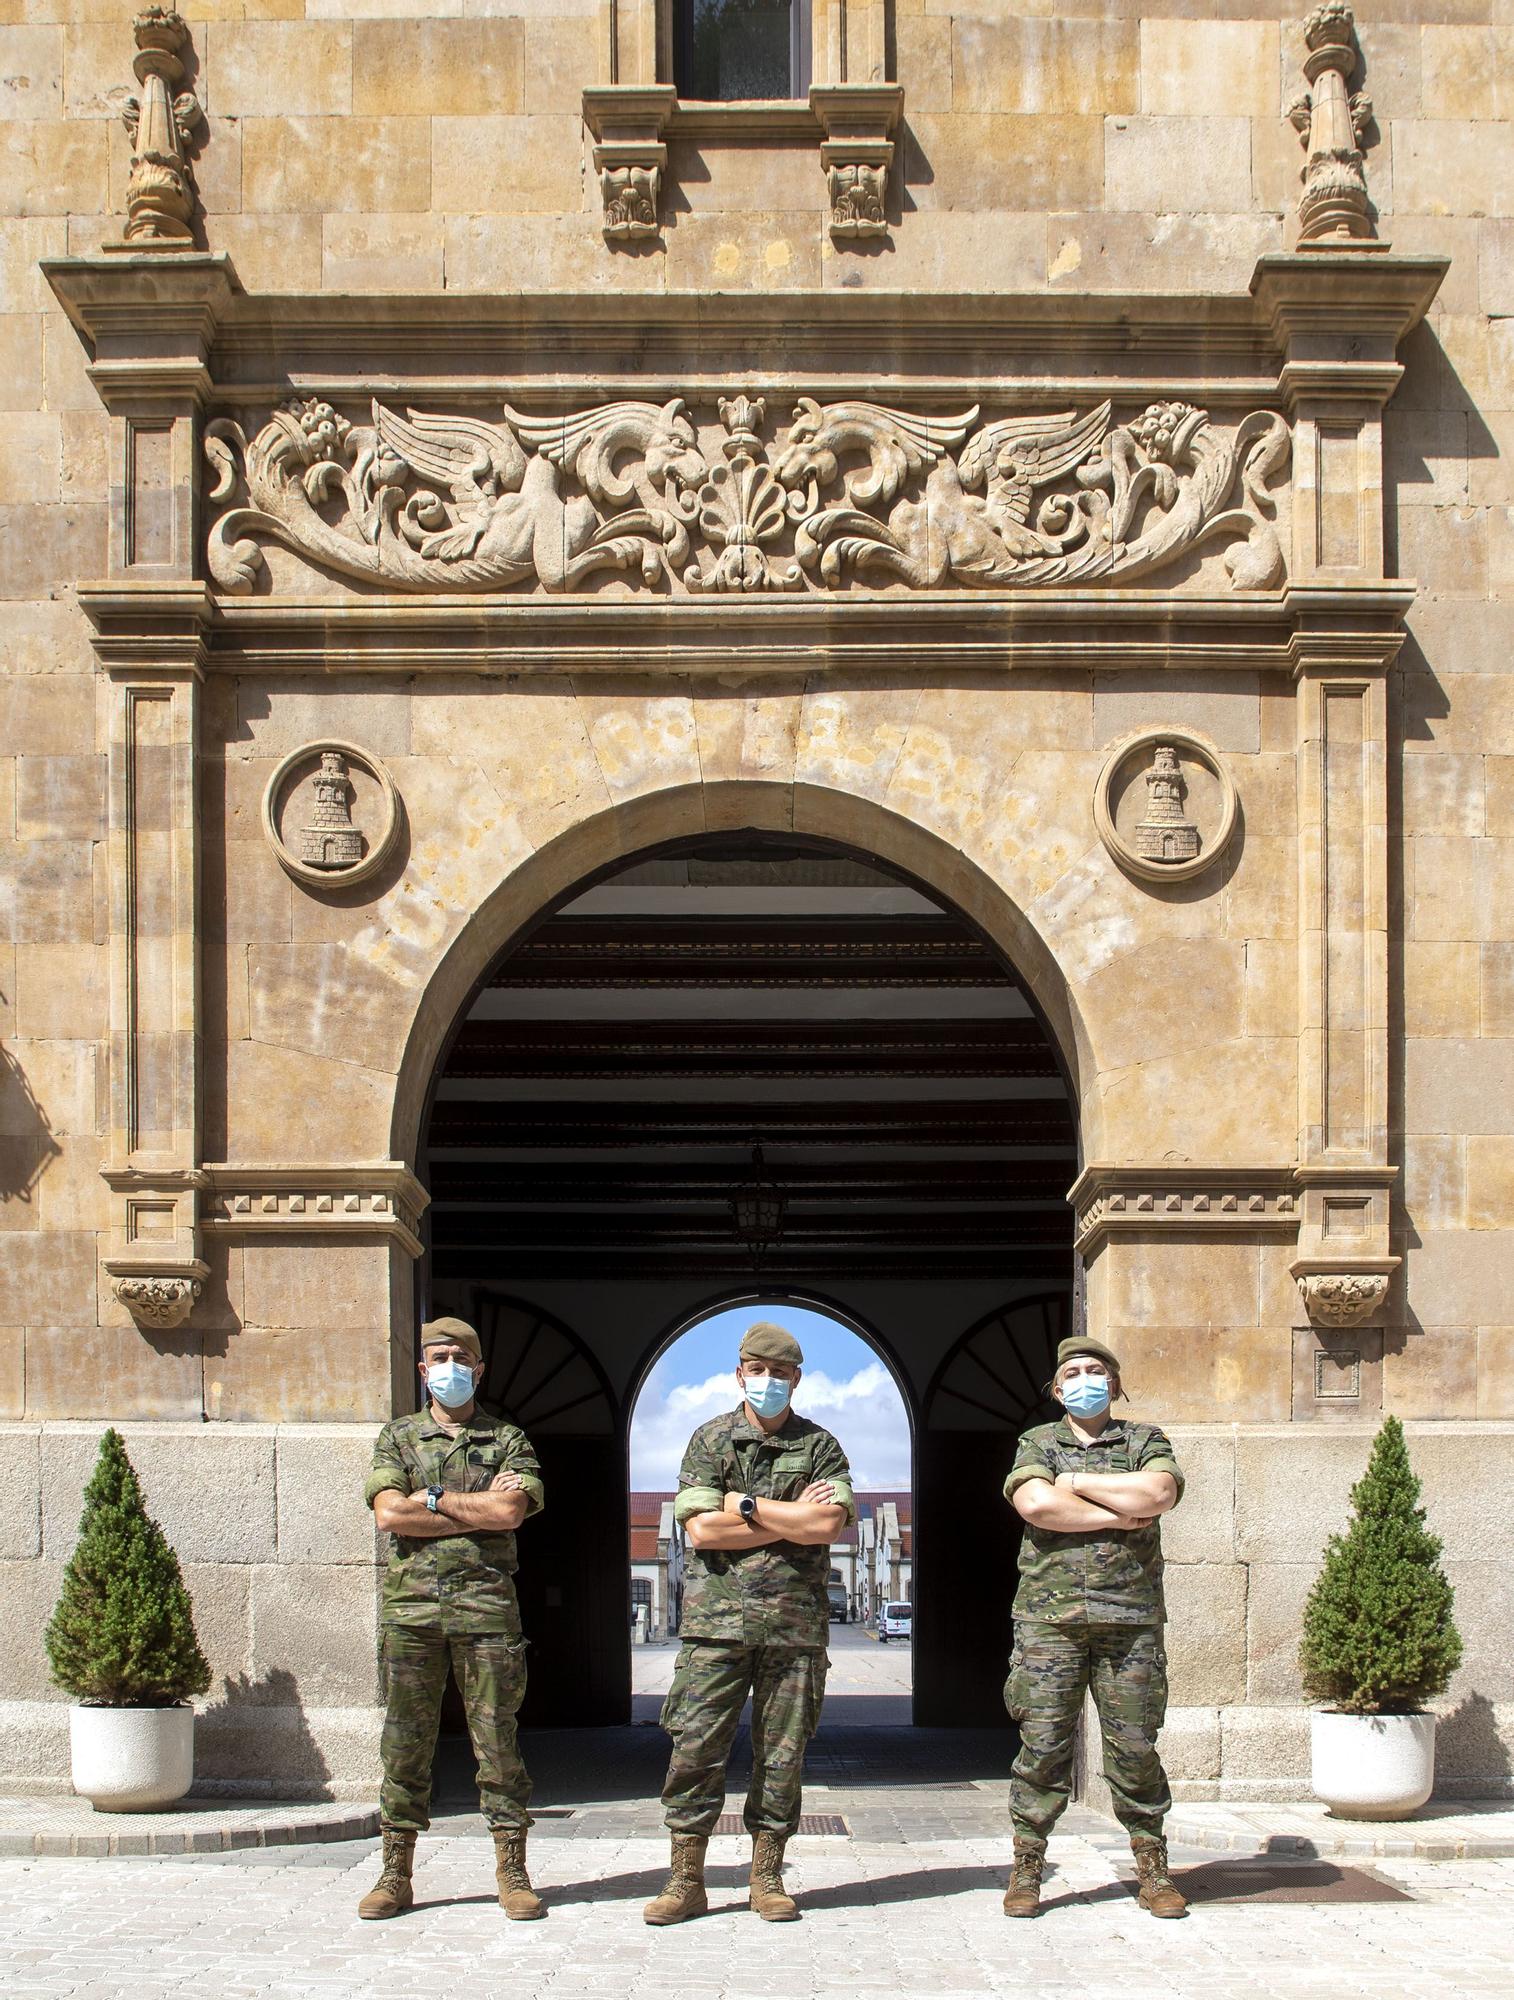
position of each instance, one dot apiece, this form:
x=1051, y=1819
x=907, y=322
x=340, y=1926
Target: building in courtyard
x=656, y=1566
x=657, y=654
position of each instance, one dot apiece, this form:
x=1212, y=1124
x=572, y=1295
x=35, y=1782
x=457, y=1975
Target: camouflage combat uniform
x=1089, y=1614
x=452, y=1598
x=754, y=1621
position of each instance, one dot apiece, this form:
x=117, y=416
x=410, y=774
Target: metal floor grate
x=832, y=1823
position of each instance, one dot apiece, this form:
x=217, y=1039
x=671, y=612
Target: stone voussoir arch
x=619, y=832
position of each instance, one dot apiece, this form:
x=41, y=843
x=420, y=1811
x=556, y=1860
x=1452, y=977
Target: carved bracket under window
x=627, y=122
x=857, y=153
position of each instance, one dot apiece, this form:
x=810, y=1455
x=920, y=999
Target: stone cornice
x=374, y=1198
x=1113, y=1200
x=148, y=630
x=1138, y=631
x=150, y=319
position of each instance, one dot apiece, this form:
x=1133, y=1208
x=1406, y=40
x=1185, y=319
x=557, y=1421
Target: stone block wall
x=437, y=149
x=278, y=1551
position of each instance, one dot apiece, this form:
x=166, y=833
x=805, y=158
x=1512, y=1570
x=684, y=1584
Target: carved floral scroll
x=847, y=494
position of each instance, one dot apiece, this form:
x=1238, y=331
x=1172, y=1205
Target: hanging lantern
x=757, y=1206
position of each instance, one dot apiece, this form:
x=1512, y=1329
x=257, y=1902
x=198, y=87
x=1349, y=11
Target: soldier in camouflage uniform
x=761, y=1495
x=451, y=1485
x=1089, y=1615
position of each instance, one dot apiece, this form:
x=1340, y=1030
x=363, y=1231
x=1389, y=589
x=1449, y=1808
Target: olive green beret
x=436, y=1332
x=1080, y=1344
x=764, y=1341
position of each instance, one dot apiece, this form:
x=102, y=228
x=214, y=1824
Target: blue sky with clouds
x=845, y=1387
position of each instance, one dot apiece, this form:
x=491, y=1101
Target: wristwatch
x=746, y=1507
x=433, y=1494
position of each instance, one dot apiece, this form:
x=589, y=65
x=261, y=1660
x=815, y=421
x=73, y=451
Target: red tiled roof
x=643, y=1545
x=646, y=1508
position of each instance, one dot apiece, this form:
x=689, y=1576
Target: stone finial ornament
x=1163, y=834
x=160, y=193
x=1334, y=207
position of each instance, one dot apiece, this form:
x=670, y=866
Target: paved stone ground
x=907, y=1904
x=880, y=1917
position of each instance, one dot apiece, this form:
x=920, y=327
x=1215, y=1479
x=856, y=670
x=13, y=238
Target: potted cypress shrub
x=1378, y=1643
x=122, y=1642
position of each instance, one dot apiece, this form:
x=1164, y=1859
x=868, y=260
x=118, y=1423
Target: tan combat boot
x=766, y=1891
x=517, y=1898
x=1159, y=1893
x=1023, y=1896
x=683, y=1894
x=392, y=1892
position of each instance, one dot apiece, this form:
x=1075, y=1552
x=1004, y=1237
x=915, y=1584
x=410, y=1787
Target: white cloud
x=864, y=1410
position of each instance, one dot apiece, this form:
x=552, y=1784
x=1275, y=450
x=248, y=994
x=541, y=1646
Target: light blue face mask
x=1086, y=1395
x=768, y=1394
x=450, y=1383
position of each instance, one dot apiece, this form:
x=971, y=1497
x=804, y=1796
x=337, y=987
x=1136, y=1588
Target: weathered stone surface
x=1206, y=1605
x=211, y=1489
x=28, y=1592
x=318, y=1624
x=323, y=1517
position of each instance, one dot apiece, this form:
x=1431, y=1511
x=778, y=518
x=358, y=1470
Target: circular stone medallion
x=1165, y=804
x=331, y=814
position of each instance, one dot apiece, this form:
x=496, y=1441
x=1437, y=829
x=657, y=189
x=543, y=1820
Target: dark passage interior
x=755, y=1064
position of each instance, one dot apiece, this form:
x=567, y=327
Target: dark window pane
x=736, y=49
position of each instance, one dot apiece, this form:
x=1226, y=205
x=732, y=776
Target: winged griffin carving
x=852, y=495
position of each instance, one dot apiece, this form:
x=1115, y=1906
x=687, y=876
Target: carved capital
x=857, y=153
x=160, y=191
x=1334, y=207
x=1343, y=1298
x=627, y=122
x=158, y=1303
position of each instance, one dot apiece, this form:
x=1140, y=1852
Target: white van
x=895, y=1621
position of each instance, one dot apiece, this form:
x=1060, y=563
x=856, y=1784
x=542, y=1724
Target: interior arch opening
x=738, y=1065
x=850, y=1388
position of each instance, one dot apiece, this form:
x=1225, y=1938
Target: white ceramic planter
x=1372, y=1766
x=132, y=1759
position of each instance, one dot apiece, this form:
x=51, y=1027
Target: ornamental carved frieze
x=687, y=497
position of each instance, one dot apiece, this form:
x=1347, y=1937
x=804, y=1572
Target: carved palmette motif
x=849, y=495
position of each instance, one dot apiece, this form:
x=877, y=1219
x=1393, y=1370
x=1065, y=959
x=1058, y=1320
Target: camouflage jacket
x=1108, y=1578
x=458, y=1583
x=772, y=1596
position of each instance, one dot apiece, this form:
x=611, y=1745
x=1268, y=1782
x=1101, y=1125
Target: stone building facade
x=444, y=463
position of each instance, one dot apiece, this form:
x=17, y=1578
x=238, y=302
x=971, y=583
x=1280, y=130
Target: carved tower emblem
x=1163, y=834
x=329, y=839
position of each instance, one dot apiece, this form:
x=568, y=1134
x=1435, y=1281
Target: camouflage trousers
x=711, y=1681
x=491, y=1674
x=1050, y=1669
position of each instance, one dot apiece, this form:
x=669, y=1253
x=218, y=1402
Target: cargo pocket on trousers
x=1156, y=1694
x=1016, y=1694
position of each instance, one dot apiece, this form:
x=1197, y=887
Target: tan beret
x=765, y=1341
x=1080, y=1344
x=439, y=1332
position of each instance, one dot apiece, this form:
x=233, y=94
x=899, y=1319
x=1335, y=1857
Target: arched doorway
x=718, y=1029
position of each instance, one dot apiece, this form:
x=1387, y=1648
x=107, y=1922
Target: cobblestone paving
x=880, y=1917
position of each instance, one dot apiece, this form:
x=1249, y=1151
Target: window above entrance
x=726, y=51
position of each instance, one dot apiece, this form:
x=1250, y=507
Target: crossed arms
x=502, y=1505
x=1081, y=1503
x=816, y=1516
